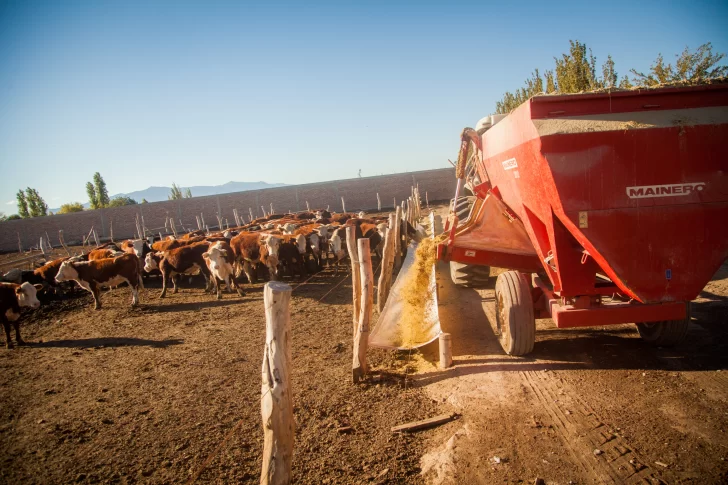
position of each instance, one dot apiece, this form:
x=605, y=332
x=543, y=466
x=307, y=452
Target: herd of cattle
x=279, y=245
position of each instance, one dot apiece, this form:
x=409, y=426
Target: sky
x=205, y=92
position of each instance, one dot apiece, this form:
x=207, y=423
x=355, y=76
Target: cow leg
x=175, y=281
x=248, y=269
x=211, y=280
x=135, y=292
x=165, y=277
x=18, y=339
x=95, y=291
x=8, y=342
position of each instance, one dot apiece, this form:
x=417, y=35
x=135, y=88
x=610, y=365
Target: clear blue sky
x=205, y=92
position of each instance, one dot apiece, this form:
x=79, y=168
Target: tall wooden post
x=20, y=244
x=361, y=337
x=63, y=243
x=308, y=207
x=174, y=229
x=96, y=238
x=343, y=204
x=271, y=208
x=202, y=218
x=379, y=203
x=427, y=200
x=355, y=281
x=398, y=238
x=263, y=209
x=445, y=350
x=276, y=402
x=385, y=276
x=250, y=211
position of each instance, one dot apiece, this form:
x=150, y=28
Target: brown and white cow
x=253, y=248
x=185, y=260
x=220, y=259
x=103, y=254
x=13, y=297
x=92, y=275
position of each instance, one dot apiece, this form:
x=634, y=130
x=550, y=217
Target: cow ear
x=224, y=252
x=38, y=287
x=19, y=290
x=206, y=255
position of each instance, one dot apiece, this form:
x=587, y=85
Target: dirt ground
x=590, y=405
x=170, y=393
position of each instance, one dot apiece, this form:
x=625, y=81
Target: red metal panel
x=566, y=317
x=525, y=263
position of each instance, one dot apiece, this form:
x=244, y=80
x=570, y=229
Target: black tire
x=665, y=333
x=515, y=321
x=470, y=275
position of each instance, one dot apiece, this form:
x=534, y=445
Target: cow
x=92, y=275
x=13, y=298
x=291, y=258
x=220, y=260
x=252, y=248
x=184, y=260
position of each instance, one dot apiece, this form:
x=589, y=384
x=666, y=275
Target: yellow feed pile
x=415, y=294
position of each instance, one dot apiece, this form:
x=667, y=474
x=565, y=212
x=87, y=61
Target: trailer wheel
x=514, y=313
x=664, y=334
x=471, y=275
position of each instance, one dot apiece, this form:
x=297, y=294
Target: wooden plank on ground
x=425, y=423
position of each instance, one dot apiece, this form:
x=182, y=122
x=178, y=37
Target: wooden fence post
x=361, y=337
x=385, y=276
x=20, y=244
x=96, y=238
x=343, y=204
x=445, y=350
x=271, y=208
x=63, y=243
x=250, y=211
x=308, y=207
x=276, y=401
x=172, y=226
x=379, y=203
x=427, y=200
x=202, y=219
x=199, y=223
x=355, y=281
x=398, y=238
x=263, y=209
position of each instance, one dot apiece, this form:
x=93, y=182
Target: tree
x=93, y=199
x=609, y=75
x=70, y=207
x=176, y=193
x=550, y=82
x=3, y=217
x=119, y=201
x=102, y=194
x=690, y=67
x=144, y=201
x=22, y=205
x=36, y=205
x=13, y=217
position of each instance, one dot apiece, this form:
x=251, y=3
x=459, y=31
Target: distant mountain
x=155, y=194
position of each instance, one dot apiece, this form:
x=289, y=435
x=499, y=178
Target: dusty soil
x=170, y=392
x=592, y=405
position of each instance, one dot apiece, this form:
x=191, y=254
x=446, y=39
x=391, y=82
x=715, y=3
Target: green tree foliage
x=690, y=67
x=22, y=205
x=144, y=201
x=3, y=217
x=13, y=217
x=177, y=193
x=121, y=201
x=575, y=72
x=102, y=194
x=36, y=205
x=70, y=207
x=93, y=199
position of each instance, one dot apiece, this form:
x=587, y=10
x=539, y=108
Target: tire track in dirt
x=583, y=432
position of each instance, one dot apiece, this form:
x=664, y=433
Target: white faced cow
x=13, y=297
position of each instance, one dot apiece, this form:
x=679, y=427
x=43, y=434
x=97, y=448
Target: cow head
x=314, y=241
x=138, y=245
x=273, y=243
x=26, y=295
x=151, y=262
x=361, y=215
x=336, y=247
x=301, y=243
x=66, y=272
x=216, y=257
x=323, y=231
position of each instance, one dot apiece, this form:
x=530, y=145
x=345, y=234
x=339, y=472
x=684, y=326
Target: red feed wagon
x=609, y=208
